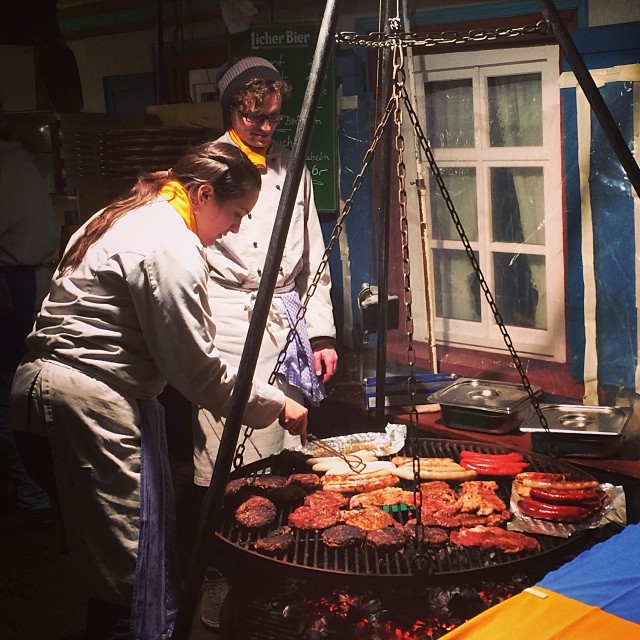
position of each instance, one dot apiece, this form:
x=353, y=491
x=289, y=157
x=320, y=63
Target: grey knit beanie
x=239, y=73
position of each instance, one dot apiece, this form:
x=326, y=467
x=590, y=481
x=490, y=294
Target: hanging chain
x=473, y=259
x=380, y=39
x=335, y=235
x=401, y=174
x=398, y=41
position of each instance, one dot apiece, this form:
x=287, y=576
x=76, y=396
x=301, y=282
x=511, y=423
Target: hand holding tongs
x=354, y=462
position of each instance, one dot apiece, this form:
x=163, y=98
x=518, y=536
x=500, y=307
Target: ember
x=309, y=613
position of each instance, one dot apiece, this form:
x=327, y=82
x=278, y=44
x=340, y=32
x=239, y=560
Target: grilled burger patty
x=277, y=542
x=343, y=535
x=386, y=538
x=256, y=512
x=308, y=481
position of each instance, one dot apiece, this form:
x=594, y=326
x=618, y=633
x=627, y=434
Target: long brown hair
x=222, y=165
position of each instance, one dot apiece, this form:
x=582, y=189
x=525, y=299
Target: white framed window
x=492, y=119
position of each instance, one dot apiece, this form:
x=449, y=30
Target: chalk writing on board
x=291, y=49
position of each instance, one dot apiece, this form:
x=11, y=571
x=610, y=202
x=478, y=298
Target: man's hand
x=326, y=361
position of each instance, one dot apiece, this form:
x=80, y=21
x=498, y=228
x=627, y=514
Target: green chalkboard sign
x=290, y=48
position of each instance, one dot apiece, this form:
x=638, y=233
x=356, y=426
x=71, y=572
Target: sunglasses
x=259, y=118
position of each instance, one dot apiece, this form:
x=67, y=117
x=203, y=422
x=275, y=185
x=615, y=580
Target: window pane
x=457, y=288
x=450, y=114
x=461, y=186
x=515, y=110
x=517, y=204
x=520, y=289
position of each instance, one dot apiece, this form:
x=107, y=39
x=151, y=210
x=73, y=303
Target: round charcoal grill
x=309, y=557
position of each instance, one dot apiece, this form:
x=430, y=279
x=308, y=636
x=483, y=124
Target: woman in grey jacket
x=128, y=312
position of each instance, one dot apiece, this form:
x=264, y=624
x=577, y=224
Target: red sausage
x=586, y=497
x=494, y=468
x=497, y=457
x=555, y=512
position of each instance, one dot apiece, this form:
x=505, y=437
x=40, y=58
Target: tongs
x=354, y=462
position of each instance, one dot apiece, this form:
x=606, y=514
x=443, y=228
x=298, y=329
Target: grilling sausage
x=555, y=512
x=590, y=497
x=556, y=480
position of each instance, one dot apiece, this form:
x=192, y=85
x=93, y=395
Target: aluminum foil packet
x=613, y=511
x=381, y=444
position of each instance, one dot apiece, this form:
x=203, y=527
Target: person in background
x=127, y=313
x=252, y=93
x=29, y=237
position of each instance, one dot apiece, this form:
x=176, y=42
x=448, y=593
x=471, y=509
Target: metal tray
x=483, y=405
x=578, y=430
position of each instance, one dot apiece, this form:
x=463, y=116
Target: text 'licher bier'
x=267, y=39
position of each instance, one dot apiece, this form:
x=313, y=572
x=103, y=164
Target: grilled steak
x=343, y=535
x=256, y=512
x=381, y=497
x=387, y=538
x=276, y=543
x=494, y=538
x=314, y=517
x=307, y=481
x=369, y=518
x=479, y=497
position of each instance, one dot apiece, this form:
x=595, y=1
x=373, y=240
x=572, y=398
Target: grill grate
x=309, y=556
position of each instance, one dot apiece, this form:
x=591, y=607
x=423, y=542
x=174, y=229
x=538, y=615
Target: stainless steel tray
x=578, y=430
x=483, y=405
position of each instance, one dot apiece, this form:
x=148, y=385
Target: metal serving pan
x=578, y=430
x=483, y=405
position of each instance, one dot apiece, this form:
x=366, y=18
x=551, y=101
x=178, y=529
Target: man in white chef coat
x=251, y=94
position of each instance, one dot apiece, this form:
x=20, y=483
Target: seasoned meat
x=438, y=491
x=381, y=497
x=491, y=520
x=233, y=486
x=430, y=535
x=494, y=538
x=369, y=518
x=256, y=512
x=314, y=517
x=436, y=514
x=237, y=491
x=307, y=481
x=387, y=538
x=268, y=482
x=327, y=499
x=343, y=535
x=479, y=497
x=277, y=489
x=276, y=543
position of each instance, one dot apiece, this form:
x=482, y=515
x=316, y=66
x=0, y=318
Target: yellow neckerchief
x=259, y=159
x=178, y=198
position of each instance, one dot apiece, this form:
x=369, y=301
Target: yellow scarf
x=178, y=198
x=259, y=159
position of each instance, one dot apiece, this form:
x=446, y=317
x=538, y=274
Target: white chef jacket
x=110, y=334
x=236, y=263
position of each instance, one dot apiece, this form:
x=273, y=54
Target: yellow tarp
x=546, y=616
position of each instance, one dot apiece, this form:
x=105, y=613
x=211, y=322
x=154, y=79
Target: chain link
x=381, y=39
